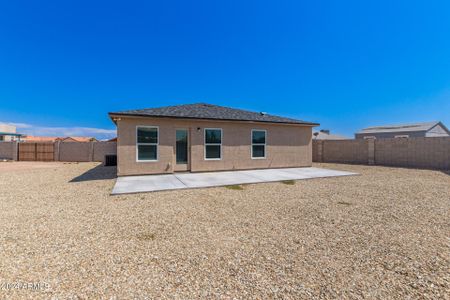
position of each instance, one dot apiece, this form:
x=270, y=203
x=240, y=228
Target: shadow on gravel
x=446, y=172
x=97, y=173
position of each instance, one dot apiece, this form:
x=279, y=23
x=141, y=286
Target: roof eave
x=11, y=134
x=113, y=114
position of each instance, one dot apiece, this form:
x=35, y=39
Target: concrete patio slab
x=209, y=179
x=153, y=183
x=148, y=183
x=275, y=175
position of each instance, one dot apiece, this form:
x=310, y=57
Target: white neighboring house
x=8, y=133
x=325, y=134
x=426, y=129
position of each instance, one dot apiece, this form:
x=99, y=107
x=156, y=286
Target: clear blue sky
x=345, y=64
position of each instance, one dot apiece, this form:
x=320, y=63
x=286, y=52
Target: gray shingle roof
x=425, y=126
x=209, y=112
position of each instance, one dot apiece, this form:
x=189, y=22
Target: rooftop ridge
x=419, y=126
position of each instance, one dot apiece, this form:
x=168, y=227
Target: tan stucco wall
x=287, y=146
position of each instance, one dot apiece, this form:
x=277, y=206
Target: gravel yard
x=384, y=234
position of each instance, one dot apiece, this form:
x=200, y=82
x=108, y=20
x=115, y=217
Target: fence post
x=371, y=151
x=91, y=151
x=56, y=151
x=320, y=151
x=15, y=150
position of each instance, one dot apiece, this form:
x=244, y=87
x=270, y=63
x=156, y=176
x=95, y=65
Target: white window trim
x=214, y=144
x=265, y=143
x=370, y=137
x=402, y=136
x=140, y=144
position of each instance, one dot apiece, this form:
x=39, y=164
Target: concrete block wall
x=341, y=151
x=371, y=152
x=317, y=147
x=423, y=152
x=67, y=151
x=8, y=150
x=432, y=153
x=73, y=151
x=100, y=149
x=83, y=152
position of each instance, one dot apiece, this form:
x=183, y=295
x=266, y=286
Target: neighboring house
x=80, y=139
x=52, y=139
x=40, y=139
x=427, y=129
x=205, y=137
x=325, y=134
x=8, y=133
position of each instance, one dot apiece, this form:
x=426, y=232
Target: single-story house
x=53, y=139
x=41, y=139
x=204, y=137
x=325, y=134
x=80, y=139
x=426, y=129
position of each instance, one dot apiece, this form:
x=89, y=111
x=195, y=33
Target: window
x=213, y=143
x=147, y=143
x=258, y=143
x=402, y=136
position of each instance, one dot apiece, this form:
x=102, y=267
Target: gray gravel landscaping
x=383, y=234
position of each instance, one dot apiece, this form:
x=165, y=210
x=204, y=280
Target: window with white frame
x=258, y=143
x=213, y=143
x=147, y=143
